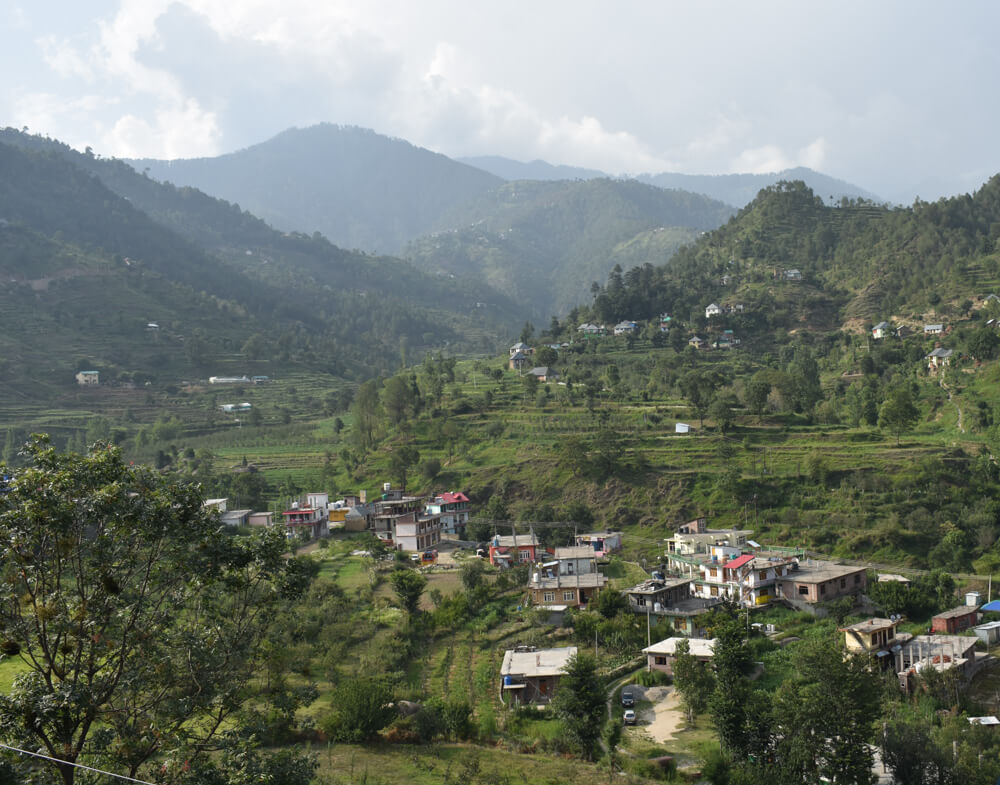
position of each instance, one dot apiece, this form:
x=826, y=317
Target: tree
x=610, y=603
x=408, y=585
x=898, y=413
x=402, y=459
x=756, y=392
x=699, y=388
x=472, y=574
x=138, y=622
x=397, y=399
x=580, y=702
x=693, y=680
x=983, y=344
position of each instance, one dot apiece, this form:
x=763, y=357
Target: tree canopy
x=137, y=619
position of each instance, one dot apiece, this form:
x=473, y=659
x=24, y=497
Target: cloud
x=185, y=131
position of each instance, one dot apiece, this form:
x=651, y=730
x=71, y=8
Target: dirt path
x=954, y=403
x=666, y=718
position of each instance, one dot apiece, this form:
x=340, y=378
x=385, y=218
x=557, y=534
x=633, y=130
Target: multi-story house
x=403, y=521
x=454, y=511
x=513, y=550
x=570, y=578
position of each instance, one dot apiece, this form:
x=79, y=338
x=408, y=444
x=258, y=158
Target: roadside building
x=955, y=620
x=662, y=655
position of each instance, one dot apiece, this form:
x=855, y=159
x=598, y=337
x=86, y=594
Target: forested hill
x=87, y=266
x=358, y=188
x=544, y=243
x=741, y=189
x=858, y=261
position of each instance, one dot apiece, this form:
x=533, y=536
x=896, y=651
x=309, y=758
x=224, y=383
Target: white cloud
x=185, y=131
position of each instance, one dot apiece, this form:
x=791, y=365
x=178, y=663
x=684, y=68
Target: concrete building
x=662, y=655
x=532, y=675
x=818, y=581
x=955, y=620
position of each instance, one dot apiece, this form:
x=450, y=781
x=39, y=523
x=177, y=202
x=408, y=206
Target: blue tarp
x=991, y=606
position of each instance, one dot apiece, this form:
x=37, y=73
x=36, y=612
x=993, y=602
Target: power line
x=76, y=765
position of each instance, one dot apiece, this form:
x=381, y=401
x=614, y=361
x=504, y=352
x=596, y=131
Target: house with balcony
x=878, y=638
x=570, y=577
x=453, y=507
x=391, y=508
x=603, y=543
x=305, y=519
x=417, y=531
x=672, y=599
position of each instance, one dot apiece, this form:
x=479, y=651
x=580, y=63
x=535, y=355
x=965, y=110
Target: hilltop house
x=521, y=348
x=518, y=361
x=881, y=330
x=793, y=274
x=933, y=329
x=696, y=342
x=591, y=330
x=88, y=378
x=530, y=675
x=665, y=322
x=626, y=328
x=712, y=309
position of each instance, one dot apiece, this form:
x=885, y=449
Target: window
x=569, y=596
x=715, y=591
x=640, y=601
x=822, y=588
x=549, y=596
x=803, y=590
x=857, y=578
x=659, y=659
x=524, y=556
x=843, y=583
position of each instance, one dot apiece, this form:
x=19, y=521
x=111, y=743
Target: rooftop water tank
x=973, y=598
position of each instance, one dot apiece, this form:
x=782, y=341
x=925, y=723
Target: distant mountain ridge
x=509, y=169
x=739, y=190
x=545, y=242
x=358, y=188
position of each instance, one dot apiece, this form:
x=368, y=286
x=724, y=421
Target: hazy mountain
x=544, y=243
x=740, y=189
x=509, y=169
x=87, y=261
x=358, y=188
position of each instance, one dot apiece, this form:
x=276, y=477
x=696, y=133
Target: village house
x=955, y=620
x=793, y=274
x=662, y=655
x=697, y=342
x=939, y=358
x=591, y=330
x=219, y=505
x=88, y=378
x=529, y=675
x=682, y=427
x=453, y=507
x=712, y=309
x=512, y=550
x=818, y=581
x=933, y=329
x=260, y=519
x=569, y=578
x=671, y=599
x=878, y=638
x=402, y=520
x=229, y=380
x=745, y=578
x=881, y=330
x=665, y=322
x=518, y=361
x=236, y=518
x=603, y=543
x=988, y=633
x=521, y=348
x=304, y=518
x=695, y=537
x=626, y=328
x=544, y=373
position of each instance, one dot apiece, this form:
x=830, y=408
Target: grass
x=10, y=667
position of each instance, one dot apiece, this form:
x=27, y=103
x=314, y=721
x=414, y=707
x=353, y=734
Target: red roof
x=452, y=498
x=739, y=561
x=299, y=511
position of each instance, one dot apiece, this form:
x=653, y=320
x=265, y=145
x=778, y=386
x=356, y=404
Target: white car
x=628, y=718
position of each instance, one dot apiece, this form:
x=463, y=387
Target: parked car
x=629, y=717
x=628, y=699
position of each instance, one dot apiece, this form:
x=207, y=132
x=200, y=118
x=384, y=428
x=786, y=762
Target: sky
x=898, y=98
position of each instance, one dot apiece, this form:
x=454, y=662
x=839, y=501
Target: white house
x=626, y=327
x=713, y=309
x=881, y=330
x=933, y=329
x=682, y=427
x=88, y=378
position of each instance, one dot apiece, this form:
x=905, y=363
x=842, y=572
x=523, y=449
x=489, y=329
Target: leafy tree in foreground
x=693, y=680
x=138, y=622
x=580, y=702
